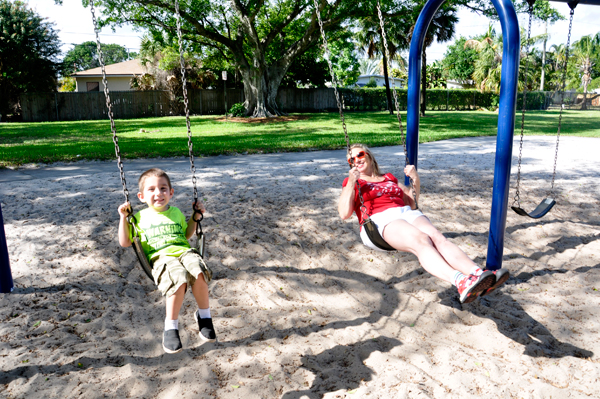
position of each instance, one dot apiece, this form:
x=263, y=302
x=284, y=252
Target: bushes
x=238, y=110
x=374, y=99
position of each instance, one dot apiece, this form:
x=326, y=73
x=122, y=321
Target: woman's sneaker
x=171, y=341
x=502, y=275
x=470, y=286
x=207, y=331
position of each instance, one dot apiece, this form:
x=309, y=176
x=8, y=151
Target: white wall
x=114, y=83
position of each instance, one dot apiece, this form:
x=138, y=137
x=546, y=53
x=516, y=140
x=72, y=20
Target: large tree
x=261, y=39
x=586, y=52
x=28, y=50
x=84, y=56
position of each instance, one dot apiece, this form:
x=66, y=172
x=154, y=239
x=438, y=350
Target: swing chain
x=109, y=106
x=562, y=94
x=402, y=136
x=187, y=118
x=517, y=198
x=333, y=78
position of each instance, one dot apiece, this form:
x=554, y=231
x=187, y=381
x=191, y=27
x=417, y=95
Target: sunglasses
x=360, y=155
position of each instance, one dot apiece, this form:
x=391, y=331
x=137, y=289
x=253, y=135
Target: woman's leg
x=453, y=255
x=405, y=237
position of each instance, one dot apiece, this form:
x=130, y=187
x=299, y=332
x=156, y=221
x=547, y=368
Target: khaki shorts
x=171, y=272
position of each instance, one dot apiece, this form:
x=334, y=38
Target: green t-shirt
x=162, y=233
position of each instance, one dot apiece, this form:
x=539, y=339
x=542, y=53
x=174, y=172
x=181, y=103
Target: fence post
x=6, y=281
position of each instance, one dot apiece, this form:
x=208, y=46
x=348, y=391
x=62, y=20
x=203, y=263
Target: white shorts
x=384, y=218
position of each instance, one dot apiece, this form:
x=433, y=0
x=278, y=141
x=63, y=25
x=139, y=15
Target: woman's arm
x=409, y=196
x=346, y=204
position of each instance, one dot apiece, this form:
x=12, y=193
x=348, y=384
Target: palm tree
x=370, y=38
x=369, y=66
x=441, y=30
x=488, y=65
x=585, y=51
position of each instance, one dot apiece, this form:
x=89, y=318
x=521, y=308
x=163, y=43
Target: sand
x=302, y=309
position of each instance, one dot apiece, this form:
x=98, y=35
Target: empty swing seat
x=542, y=209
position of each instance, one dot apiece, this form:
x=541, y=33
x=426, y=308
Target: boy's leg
x=171, y=340
x=192, y=263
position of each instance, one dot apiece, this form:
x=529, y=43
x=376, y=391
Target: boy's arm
x=191, y=225
x=124, y=227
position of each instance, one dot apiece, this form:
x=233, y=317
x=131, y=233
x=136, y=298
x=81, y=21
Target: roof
x=125, y=68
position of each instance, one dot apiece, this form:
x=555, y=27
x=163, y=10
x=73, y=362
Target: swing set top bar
x=590, y=2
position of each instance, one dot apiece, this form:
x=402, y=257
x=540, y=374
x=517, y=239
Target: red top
x=377, y=196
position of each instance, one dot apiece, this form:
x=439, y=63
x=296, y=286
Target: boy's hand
x=124, y=210
x=199, y=207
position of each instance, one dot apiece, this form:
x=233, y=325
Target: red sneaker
x=502, y=275
x=470, y=286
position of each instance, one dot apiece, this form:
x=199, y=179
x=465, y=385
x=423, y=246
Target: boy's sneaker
x=207, y=331
x=502, y=275
x=171, y=341
x=470, y=286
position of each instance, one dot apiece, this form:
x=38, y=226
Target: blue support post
x=506, y=113
x=6, y=281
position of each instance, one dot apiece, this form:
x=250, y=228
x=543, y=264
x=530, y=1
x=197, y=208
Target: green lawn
x=22, y=143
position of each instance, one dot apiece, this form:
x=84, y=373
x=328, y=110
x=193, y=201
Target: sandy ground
x=302, y=309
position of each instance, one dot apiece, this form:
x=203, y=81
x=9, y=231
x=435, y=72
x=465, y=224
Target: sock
x=171, y=324
x=457, y=277
x=204, y=313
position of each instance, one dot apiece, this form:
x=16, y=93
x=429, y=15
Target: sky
x=75, y=26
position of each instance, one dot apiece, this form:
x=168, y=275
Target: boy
x=174, y=264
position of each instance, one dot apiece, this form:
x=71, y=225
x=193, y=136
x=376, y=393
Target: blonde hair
x=153, y=172
x=369, y=154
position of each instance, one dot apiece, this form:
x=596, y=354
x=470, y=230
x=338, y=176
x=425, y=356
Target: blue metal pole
x=506, y=113
x=6, y=281
x=509, y=79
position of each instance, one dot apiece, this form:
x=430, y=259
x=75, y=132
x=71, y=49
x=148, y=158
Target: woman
x=392, y=207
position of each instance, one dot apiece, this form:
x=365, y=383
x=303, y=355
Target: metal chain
x=109, y=105
x=187, y=115
x=402, y=137
x=562, y=96
x=340, y=104
x=517, y=198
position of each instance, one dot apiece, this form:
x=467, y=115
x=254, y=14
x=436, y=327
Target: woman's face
x=359, y=158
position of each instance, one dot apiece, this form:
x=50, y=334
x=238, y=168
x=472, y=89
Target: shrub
x=238, y=110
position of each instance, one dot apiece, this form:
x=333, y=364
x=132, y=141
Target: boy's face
x=157, y=193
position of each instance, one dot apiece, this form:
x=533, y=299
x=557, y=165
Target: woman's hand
x=353, y=176
x=411, y=172
x=124, y=210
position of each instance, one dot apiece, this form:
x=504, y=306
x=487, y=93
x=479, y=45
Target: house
x=455, y=84
x=118, y=76
x=380, y=79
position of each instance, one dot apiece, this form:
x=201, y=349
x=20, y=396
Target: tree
x=441, y=29
x=260, y=39
x=459, y=61
x=84, y=56
x=488, y=66
x=586, y=52
x=28, y=50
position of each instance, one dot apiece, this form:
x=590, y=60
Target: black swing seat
x=542, y=209
x=375, y=237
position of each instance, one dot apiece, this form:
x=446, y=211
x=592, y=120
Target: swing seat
x=137, y=247
x=375, y=237
x=541, y=210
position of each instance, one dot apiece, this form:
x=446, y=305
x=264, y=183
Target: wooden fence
x=40, y=107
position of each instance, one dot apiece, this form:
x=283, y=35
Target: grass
x=45, y=142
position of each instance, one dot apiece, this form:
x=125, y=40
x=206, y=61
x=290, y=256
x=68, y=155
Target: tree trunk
x=424, y=83
x=260, y=91
x=388, y=93
x=543, y=59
